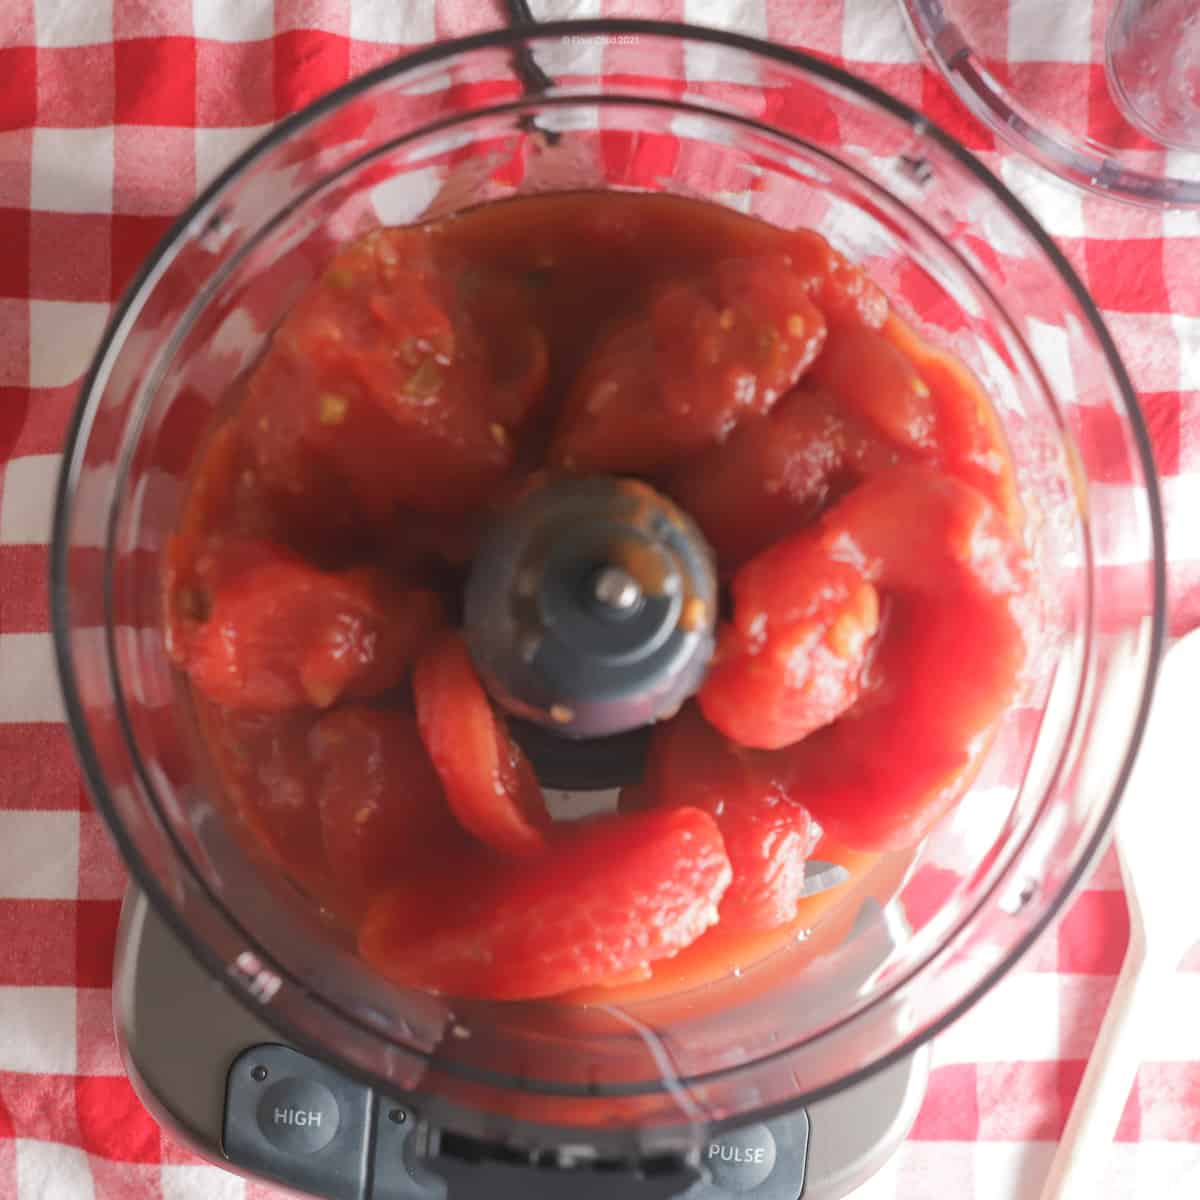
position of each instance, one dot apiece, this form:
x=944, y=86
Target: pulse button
x=741, y=1159
x=299, y=1116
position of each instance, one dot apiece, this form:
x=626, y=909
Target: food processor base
x=217, y=1079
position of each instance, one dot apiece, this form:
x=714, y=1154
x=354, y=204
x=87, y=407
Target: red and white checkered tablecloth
x=112, y=114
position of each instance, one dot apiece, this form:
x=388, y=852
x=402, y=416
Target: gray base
x=180, y=1032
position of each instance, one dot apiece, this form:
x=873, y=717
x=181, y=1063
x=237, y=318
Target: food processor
x=248, y=1024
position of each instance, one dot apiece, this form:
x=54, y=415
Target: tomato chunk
x=613, y=895
x=874, y=381
x=490, y=785
x=380, y=802
x=501, y=315
x=775, y=475
x=970, y=440
x=280, y=634
x=767, y=836
x=951, y=575
x=227, y=497
x=398, y=380
x=263, y=767
x=707, y=352
x=792, y=659
x=845, y=293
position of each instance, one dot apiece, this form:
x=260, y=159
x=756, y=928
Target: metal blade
x=821, y=876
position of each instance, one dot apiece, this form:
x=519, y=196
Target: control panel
x=293, y=1119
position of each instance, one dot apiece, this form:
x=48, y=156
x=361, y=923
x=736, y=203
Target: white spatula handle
x=1110, y=1073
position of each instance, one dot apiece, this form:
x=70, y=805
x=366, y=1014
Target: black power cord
x=533, y=79
x=532, y=76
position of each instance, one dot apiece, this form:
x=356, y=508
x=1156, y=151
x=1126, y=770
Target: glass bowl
x=769, y=132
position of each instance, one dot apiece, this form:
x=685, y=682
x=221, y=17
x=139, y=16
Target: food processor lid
x=1078, y=133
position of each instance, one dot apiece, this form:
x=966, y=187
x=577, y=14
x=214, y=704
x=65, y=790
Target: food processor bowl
x=648, y=107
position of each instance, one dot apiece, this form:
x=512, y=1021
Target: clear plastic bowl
x=800, y=143
x=1070, y=97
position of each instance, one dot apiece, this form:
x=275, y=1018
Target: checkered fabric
x=112, y=114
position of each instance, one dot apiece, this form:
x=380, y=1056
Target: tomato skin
x=281, y=634
x=613, y=895
x=775, y=475
x=489, y=784
x=792, y=658
x=707, y=352
x=380, y=803
x=767, y=836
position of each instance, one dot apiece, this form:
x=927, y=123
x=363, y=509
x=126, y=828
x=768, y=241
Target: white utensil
x=1157, y=838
